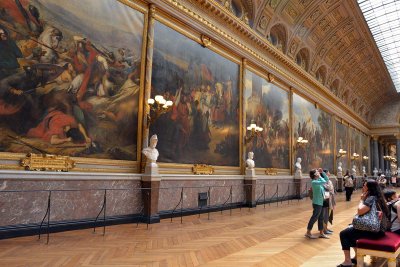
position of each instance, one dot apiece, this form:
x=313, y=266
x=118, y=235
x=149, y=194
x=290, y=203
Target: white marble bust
x=151, y=152
x=375, y=171
x=339, y=168
x=354, y=170
x=298, y=165
x=363, y=170
x=250, y=162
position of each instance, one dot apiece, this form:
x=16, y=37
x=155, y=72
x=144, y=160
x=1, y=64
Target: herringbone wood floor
x=273, y=236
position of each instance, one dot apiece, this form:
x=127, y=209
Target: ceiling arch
x=337, y=37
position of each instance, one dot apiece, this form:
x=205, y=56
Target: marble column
x=385, y=162
x=381, y=160
x=375, y=162
x=398, y=159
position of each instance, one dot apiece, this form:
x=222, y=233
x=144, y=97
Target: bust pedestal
x=340, y=181
x=250, y=183
x=151, y=184
x=299, y=184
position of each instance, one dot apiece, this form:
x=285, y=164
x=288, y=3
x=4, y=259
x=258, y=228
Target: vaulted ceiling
x=330, y=40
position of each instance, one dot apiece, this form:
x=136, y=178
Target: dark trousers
x=317, y=215
x=349, y=237
x=349, y=192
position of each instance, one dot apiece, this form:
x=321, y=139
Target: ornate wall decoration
x=268, y=106
x=203, y=124
x=77, y=80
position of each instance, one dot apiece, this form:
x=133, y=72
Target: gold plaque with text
x=46, y=162
x=202, y=169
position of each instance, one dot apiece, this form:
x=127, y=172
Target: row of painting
x=70, y=82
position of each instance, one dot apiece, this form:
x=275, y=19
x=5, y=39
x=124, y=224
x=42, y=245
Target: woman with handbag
x=366, y=223
x=318, y=178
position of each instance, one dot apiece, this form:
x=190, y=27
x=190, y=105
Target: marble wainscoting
x=220, y=186
x=83, y=200
x=281, y=186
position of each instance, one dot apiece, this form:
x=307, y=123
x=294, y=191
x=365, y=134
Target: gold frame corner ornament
x=205, y=41
x=202, y=169
x=47, y=162
x=271, y=171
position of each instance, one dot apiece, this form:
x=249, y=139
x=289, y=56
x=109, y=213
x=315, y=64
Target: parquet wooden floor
x=273, y=236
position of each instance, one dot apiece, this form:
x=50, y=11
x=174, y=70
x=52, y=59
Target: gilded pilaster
x=334, y=145
x=291, y=132
x=242, y=116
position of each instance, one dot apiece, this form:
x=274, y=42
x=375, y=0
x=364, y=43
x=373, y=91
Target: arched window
x=345, y=96
x=335, y=87
x=237, y=8
x=303, y=58
x=277, y=37
x=321, y=74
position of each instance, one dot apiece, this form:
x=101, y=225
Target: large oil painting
x=268, y=106
x=202, y=126
x=355, y=147
x=365, y=152
x=342, y=142
x=314, y=125
x=70, y=77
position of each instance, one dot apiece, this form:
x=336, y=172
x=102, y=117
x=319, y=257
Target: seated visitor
x=371, y=194
x=394, y=208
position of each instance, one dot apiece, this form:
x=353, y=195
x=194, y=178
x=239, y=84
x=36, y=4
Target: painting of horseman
x=70, y=77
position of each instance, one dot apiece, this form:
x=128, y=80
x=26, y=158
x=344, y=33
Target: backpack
x=310, y=193
x=348, y=182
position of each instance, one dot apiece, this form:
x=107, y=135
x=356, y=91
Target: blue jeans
x=317, y=215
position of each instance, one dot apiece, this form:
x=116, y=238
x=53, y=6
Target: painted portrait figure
x=202, y=126
x=268, y=106
x=70, y=77
x=314, y=125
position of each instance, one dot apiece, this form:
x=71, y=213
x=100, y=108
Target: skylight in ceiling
x=383, y=18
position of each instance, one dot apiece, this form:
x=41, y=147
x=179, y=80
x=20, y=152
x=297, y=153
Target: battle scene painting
x=342, y=142
x=365, y=152
x=355, y=147
x=70, y=77
x=267, y=105
x=202, y=126
x=314, y=125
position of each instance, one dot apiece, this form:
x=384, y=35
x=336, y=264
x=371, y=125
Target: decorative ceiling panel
x=338, y=38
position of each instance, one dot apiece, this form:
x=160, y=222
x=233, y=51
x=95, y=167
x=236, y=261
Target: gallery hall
x=226, y=133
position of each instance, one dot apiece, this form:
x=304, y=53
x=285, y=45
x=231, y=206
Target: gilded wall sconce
x=254, y=130
x=341, y=153
x=355, y=156
x=158, y=106
x=365, y=158
x=301, y=141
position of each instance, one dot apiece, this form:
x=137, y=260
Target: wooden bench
x=386, y=247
